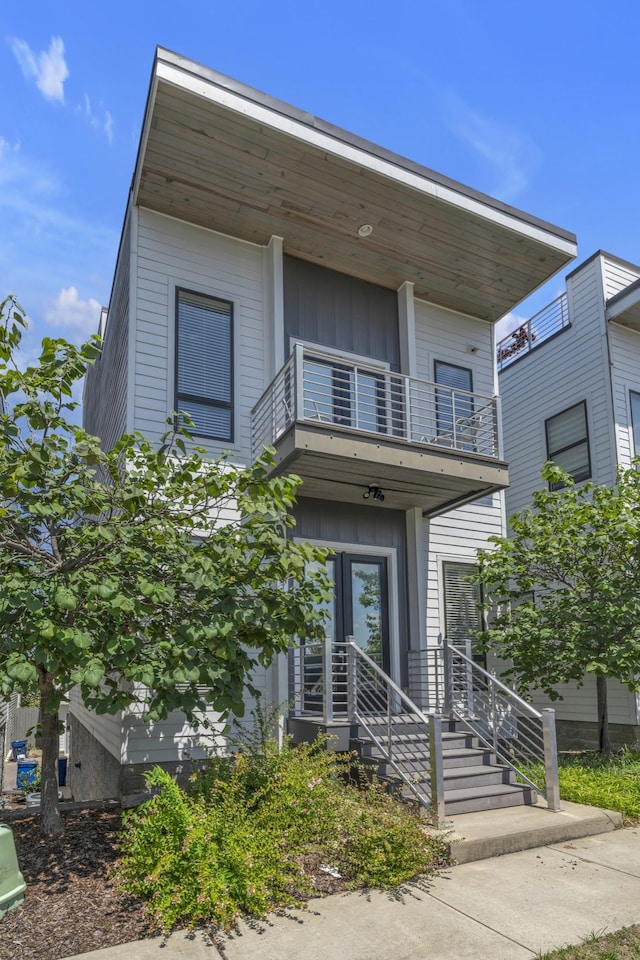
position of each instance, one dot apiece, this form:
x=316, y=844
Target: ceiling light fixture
x=373, y=493
x=365, y=230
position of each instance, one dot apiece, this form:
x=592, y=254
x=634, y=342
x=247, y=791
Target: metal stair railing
x=522, y=737
x=340, y=683
x=391, y=721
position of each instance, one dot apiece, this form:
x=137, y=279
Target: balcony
x=346, y=427
x=547, y=323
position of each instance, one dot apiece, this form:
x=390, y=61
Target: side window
x=634, y=401
x=462, y=601
x=568, y=442
x=204, y=363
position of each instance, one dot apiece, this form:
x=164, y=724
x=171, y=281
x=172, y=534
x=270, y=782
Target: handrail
x=521, y=737
x=531, y=333
x=338, y=393
x=531, y=710
x=401, y=717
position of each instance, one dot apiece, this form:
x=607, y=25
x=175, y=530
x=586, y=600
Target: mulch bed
x=71, y=906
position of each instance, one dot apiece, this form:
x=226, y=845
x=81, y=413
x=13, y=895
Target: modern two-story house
x=289, y=284
x=570, y=384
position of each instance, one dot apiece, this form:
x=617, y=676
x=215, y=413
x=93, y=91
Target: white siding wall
x=107, y=729
x=175, y=254
x=579, y=704
x=572, y=367
x=105, y=393
x=624, y=349
x=168, y=254
x=624, y=355
x=617, y=275
x=566, y=370
x=458, y=535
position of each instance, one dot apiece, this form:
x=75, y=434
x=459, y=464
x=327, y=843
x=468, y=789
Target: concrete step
x=477, y=836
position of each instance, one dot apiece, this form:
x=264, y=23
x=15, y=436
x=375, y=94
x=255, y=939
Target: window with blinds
x=462, y=601
x=634, y=403
x=204, y=363
x=568, y=442
x=452, y=407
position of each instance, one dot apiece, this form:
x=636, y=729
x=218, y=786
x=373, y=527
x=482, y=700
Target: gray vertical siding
x=341, y=523
x=327, y=307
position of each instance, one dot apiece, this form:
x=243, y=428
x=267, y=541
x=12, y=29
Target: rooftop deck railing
x=324, y=389
x=533, y=332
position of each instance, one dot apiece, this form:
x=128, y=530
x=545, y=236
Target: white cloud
x=511, y=155
x=48, y=67
x=97, y=117
x=507, y=324
x=69, y=311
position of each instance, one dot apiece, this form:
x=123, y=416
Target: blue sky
x=534, y=103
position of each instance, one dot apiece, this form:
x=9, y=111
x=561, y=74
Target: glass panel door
x=359, y=607
x=313, y=651
x=366, y=605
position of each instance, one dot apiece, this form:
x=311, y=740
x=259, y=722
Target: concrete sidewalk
x=507, y=908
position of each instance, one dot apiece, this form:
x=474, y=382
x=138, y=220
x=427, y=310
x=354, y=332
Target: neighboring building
x=286, y=282
x=570, y=385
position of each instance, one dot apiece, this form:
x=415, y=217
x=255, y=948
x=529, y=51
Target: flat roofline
x=284, y=109
x=602, y=253
x=631, y=293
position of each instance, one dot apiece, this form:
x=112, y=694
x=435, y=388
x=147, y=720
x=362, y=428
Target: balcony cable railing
x=545, y=324
x=327, y=391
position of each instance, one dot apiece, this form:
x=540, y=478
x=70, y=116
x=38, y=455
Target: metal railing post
x=551, y=759
x=436, y=764
x=407, y=410
x=448, y=698
x=327, y=690
x=389, y=738
x=299, y=381
x=494, y=718
x=352, y=681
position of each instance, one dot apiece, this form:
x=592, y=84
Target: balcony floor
x=340, y=465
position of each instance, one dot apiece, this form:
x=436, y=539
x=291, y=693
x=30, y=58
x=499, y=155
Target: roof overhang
x=624, y=308
x=219, y=154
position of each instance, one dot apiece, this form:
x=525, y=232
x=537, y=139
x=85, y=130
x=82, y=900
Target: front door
x=359, y=608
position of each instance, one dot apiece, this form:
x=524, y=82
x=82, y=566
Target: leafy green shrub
x=237, y=842
x=612, y=782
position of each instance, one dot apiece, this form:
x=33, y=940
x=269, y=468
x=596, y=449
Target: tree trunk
x=50, y=820
x=604, y=743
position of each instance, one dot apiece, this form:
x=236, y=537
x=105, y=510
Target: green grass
x=622, y=945
x=610, y=782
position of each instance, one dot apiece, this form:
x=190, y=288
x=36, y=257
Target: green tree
x=145, y=574
x=564, y=588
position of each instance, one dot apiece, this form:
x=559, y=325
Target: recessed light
x=365, y=230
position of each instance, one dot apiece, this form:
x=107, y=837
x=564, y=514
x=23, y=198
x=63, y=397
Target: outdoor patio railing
x=341, y=681
x=533, y=332
x=326, y=390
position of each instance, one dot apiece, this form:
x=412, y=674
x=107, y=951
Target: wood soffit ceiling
x=209, y=165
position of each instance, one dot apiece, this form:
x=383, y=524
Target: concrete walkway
x=507, y=908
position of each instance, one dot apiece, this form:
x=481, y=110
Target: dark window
x=204, y=363
x=568, y=442
x=634, y=399
x=454, y=407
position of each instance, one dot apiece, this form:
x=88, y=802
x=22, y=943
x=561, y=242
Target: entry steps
x=474, y=780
